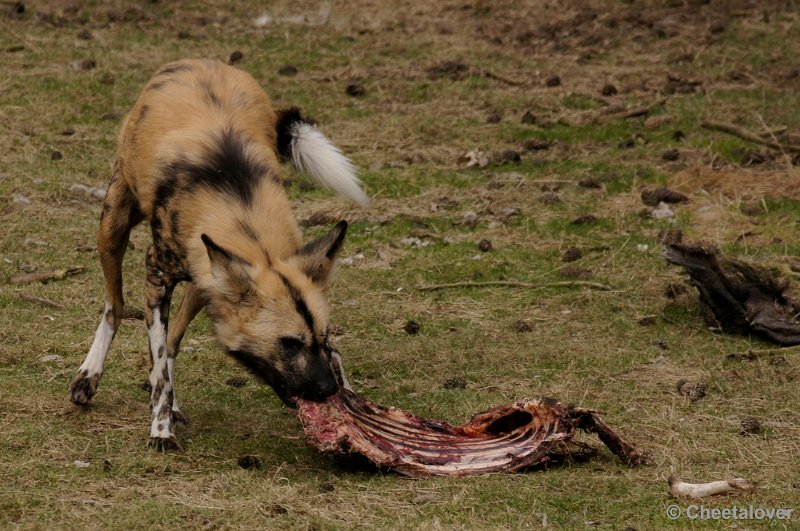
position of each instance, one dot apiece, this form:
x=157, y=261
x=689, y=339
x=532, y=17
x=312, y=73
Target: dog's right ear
x=230, y=273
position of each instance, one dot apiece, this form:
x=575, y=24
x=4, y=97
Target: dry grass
x=621, y=351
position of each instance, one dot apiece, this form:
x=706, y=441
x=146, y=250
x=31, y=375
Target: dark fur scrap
x=737, y=297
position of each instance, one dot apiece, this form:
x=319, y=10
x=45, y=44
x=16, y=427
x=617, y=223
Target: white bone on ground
x=701, y=490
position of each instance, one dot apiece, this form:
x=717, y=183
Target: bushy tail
x=312, y=152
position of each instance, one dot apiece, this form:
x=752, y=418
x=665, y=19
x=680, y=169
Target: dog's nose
x=328, y=387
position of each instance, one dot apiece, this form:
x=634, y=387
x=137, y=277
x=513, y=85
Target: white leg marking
x=93, y=364
x=161, y=425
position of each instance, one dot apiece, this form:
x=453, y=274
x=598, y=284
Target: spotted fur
x=198, y=158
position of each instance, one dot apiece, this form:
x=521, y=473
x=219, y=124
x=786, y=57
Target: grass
x=620, y=351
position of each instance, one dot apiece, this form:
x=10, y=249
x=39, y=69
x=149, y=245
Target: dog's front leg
x=158, y=293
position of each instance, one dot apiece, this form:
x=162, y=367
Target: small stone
x=627, y=144
x=355, y=89
x=485, y=245
x=288, y=70
x=752, y=209
x=662, y=211
x=717, y=27
x=508, y=213
x=86, y=64
x=469, y=218
x=81, y=464
x=21, y=200
x=494, y=118
x=777, y=361
x=553, y=81
x=456, y=382
x=534, y=144
x=671, y=155
x=571, y=254
x=586, y=219
x=51, y=357
x=31, y=242
x=693, y=391
x=248, y=462
x=276, y=509
x=528, y=118
x=608, y=90
x=575, y=272
x=424, y=499
x=509, y=155
x=652, y=197
x=235, y=57
x=476, y=157
x=236, y=381
x=589, y=182
x=522, y=326
x=412, y=328
x=551, y=198
x=750, y=426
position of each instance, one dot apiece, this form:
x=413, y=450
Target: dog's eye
x=292, y=345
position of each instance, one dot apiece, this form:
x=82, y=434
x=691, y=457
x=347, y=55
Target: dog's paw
x=160, y=444
x=83, y=388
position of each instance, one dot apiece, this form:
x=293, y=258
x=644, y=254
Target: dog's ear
x=316, y=258
x=230, y=273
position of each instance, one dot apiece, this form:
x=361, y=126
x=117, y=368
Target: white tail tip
x=313, y=153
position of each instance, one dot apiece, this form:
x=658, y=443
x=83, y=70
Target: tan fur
x=259, y=285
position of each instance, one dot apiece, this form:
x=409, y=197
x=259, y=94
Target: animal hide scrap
x=739, y=298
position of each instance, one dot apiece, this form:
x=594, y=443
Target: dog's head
x=274, y=318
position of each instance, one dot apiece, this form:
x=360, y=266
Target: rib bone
x=505, y=438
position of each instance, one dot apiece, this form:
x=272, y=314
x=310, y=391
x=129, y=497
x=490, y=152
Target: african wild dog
x=198, y=158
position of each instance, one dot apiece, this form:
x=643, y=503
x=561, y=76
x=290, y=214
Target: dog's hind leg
x=120, y=214
x=190, y=306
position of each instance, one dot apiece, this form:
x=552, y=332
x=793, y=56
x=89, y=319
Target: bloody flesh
x=505, y=438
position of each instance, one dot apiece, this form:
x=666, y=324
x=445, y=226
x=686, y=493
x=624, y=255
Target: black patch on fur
x=299, y=304
x=284, y=124
x=226, y=167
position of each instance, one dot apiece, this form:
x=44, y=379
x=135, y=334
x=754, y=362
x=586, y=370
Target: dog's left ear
x=316, y=258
